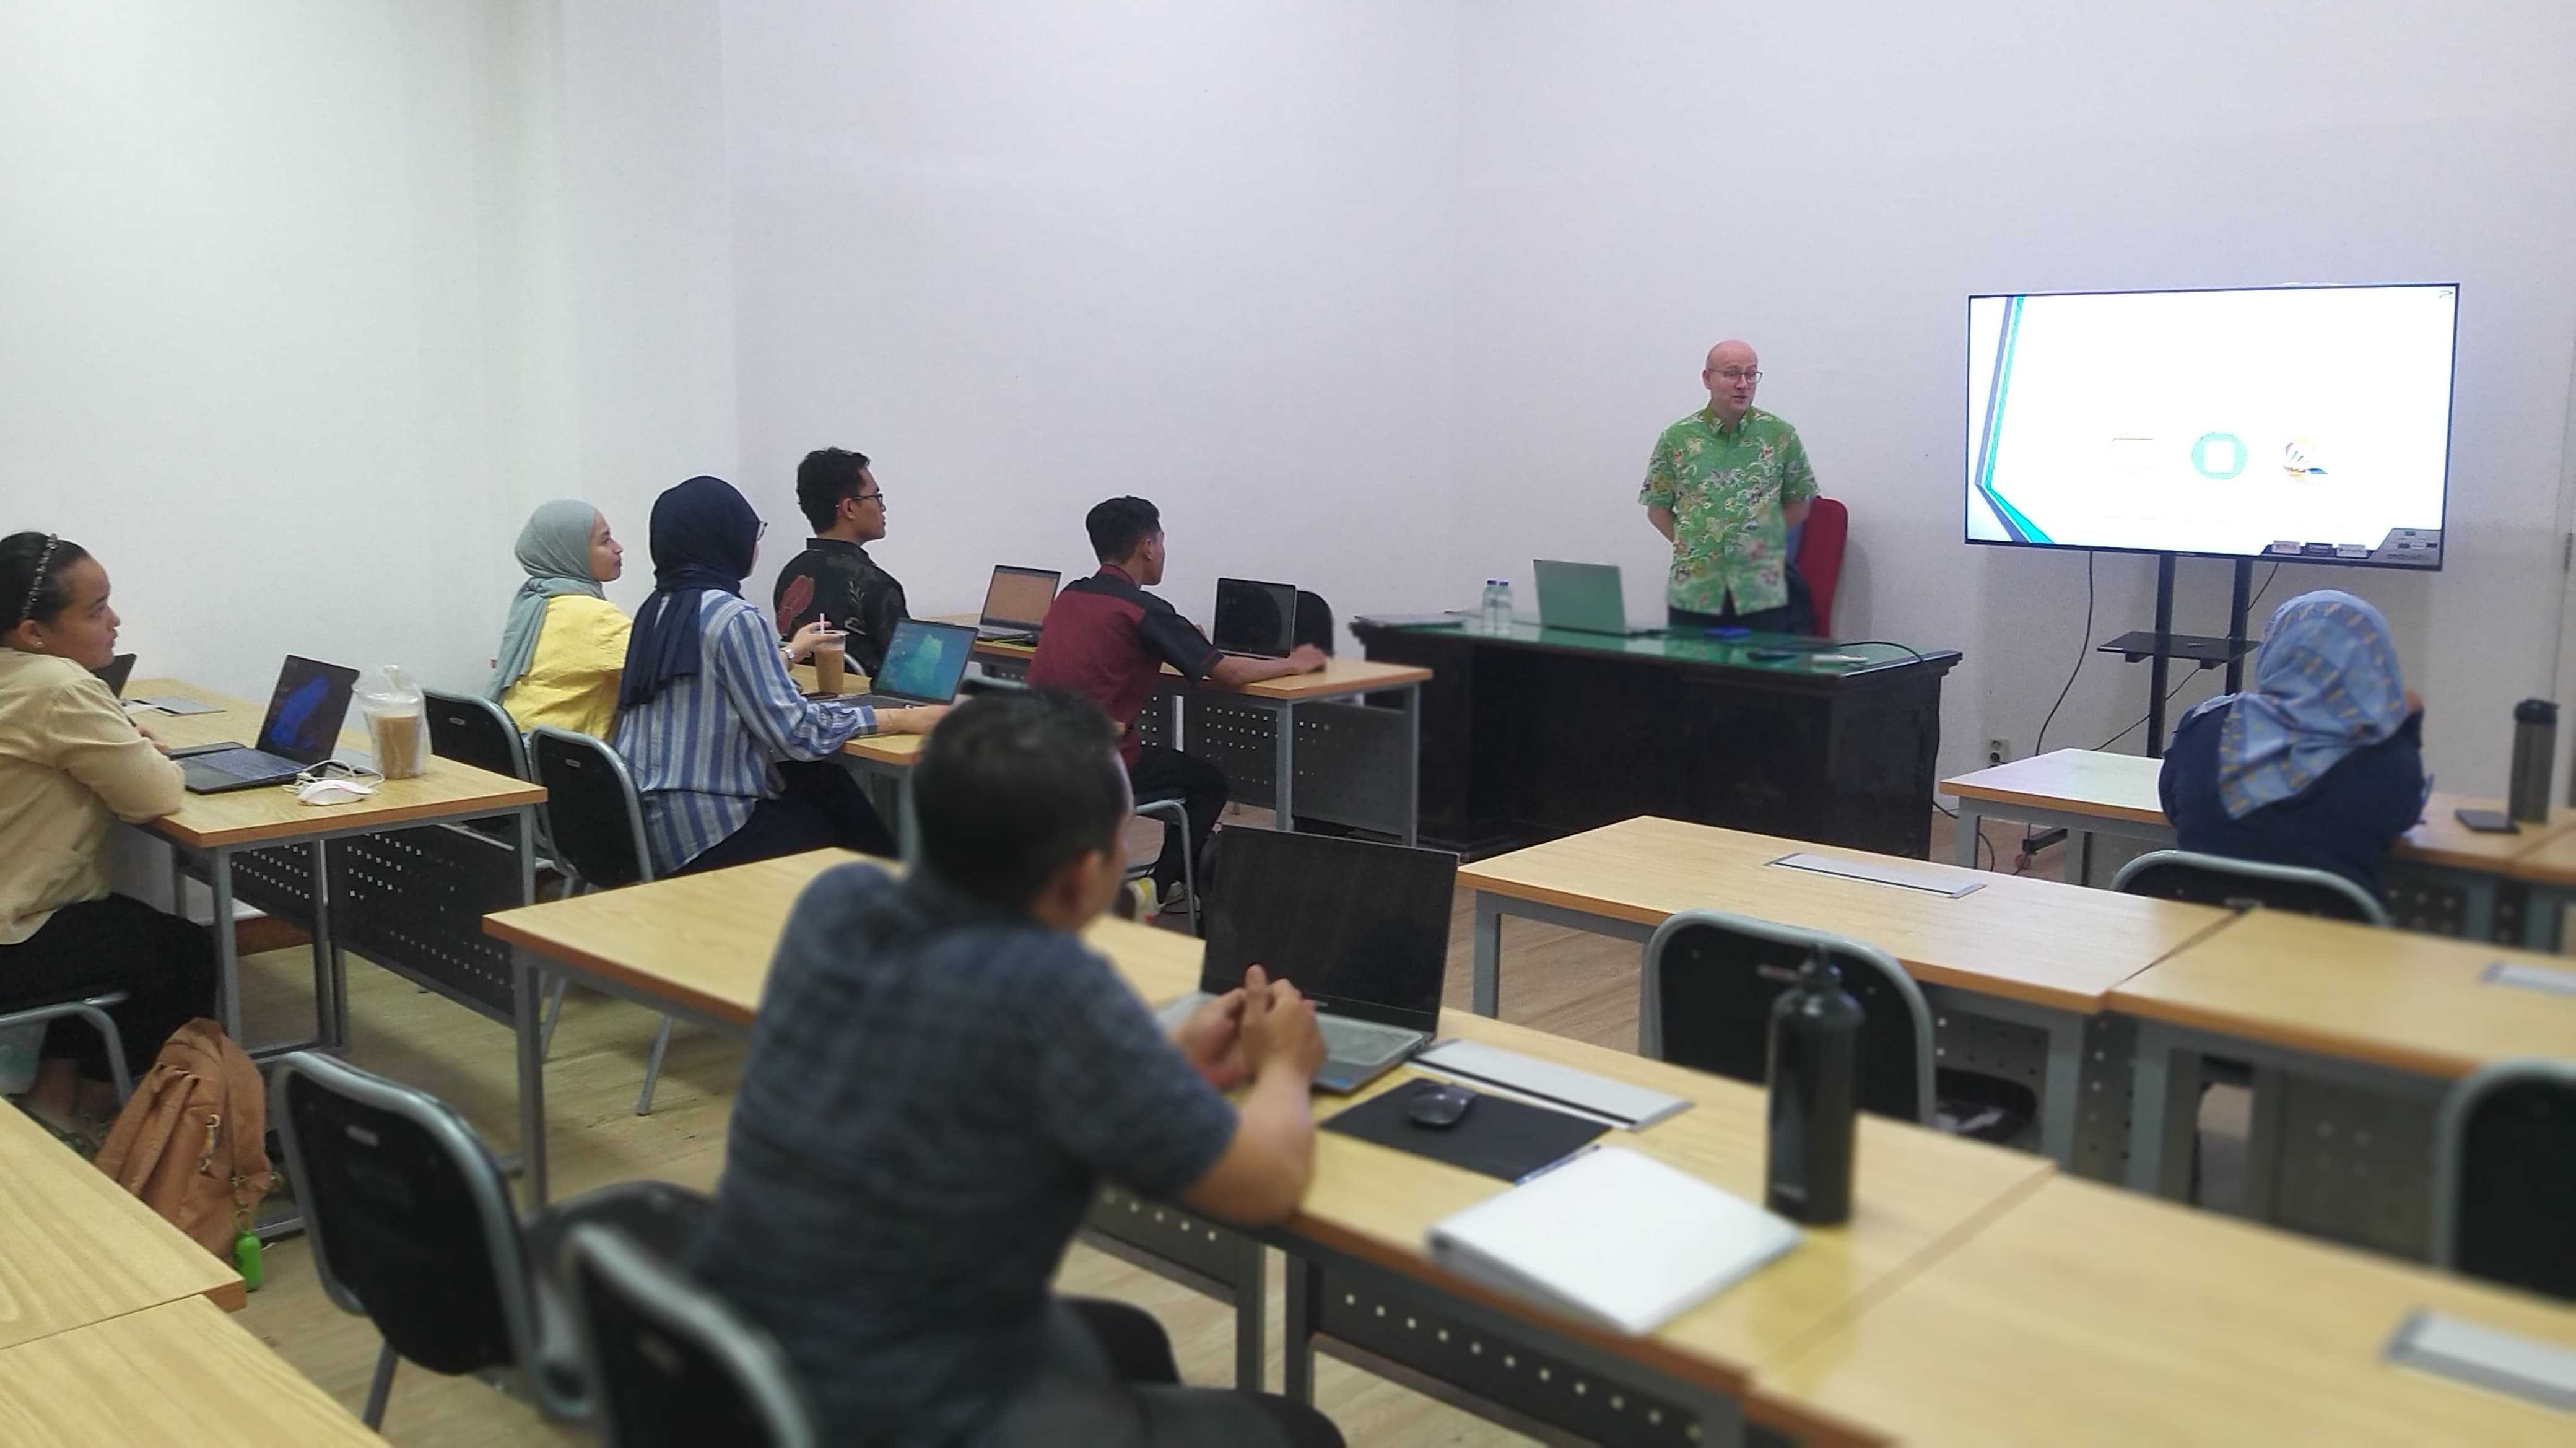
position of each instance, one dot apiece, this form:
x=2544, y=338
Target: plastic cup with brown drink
x=831, y=653
x=396, y=737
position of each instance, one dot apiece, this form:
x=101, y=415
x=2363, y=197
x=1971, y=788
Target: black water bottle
x=2535, y=749
x=1815, y=1097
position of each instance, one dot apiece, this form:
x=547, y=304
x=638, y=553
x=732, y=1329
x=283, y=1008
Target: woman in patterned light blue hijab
x=2325, y=684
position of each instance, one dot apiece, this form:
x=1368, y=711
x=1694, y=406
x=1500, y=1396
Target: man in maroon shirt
x=1107, y=639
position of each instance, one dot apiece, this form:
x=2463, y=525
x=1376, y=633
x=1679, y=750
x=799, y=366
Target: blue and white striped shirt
x=704, y=750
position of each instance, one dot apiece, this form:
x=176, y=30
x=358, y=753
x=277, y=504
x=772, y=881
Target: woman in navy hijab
x=2320, y=763
x=733, y=764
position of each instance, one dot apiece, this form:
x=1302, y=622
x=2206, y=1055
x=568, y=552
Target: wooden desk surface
x=707, y=940
x=2035, y=940
x=445, y=790
x=2123, y=787
x=182, y=1373
x=2392, y=997
x=76, y=1248
x=2095, y=1316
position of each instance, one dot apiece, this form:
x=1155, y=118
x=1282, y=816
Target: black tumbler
x=2535, y=750
x=1815, y=1097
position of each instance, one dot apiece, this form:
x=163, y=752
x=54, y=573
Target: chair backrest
x=409, y=1219
x=1820, y=556
x=471, y=729
x=594, y=818
x=2504, y=1187
x=1314, y=622
x=671, y=1365
x=2245, y=884
x=1710, y=982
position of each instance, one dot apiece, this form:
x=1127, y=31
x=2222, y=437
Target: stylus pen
x=1579, y=1152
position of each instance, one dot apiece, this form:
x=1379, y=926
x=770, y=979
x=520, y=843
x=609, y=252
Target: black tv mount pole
x=2162, y=645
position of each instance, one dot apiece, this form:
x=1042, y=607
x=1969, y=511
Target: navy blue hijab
x=704, y=534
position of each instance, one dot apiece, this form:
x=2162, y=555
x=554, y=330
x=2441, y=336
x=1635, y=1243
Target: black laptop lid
x=1255, y=618
x=1361, y=928
x=115, y=672
x=1018, y=597
x=306, y=712
x=924, y=661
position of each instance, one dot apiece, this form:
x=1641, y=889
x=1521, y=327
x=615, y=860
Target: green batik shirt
x=1726, y=487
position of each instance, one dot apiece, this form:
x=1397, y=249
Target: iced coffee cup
x=830, y=657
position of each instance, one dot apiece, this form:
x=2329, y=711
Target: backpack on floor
x=192, y=1140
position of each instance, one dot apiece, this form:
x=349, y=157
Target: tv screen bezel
x=2450, y=419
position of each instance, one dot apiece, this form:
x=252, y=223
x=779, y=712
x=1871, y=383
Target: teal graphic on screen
x=2214, y=422
x=923, y=662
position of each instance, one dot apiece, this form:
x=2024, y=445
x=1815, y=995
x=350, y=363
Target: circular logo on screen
x=2218, y=455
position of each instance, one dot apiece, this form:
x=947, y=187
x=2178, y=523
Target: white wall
x=1831, y=180
x=282, y=343
x=1031, y=256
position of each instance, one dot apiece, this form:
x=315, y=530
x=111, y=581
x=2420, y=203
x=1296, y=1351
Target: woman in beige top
x=71, y=765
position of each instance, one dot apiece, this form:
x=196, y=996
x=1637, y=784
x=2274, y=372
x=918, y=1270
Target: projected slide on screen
x=2225, y=422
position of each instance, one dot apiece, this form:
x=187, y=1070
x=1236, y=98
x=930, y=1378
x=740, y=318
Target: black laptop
x=1015, y=603
x=115, y=672
x=302, y=728
x=1361, y=928
x=1259, y=619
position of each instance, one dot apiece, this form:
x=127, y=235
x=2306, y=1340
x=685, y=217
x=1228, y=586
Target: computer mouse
x=1440, y=1109
x=332, y=791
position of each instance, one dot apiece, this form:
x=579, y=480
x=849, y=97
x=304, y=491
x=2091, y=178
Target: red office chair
x=1820, y=557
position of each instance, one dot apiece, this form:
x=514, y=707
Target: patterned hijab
x=555, y=550
x=2325, y=684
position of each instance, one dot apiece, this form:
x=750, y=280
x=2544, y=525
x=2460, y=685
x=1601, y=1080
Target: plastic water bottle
x=1502, y=605
x=1485, y=608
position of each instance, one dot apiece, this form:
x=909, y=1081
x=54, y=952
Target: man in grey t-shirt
x=941, y=1072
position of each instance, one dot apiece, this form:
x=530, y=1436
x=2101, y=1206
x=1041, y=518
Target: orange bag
x=192, y=1140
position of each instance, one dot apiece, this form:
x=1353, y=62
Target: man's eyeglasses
x=1736, y=374
x=876, y=497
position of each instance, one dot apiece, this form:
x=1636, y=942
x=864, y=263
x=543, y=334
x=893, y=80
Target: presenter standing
x=1725, y=486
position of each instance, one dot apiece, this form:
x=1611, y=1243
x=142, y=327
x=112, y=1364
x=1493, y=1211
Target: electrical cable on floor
x=2039, y=745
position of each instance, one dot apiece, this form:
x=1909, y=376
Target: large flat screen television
x=2308, y=422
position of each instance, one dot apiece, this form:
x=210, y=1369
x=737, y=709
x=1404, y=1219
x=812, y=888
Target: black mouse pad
x=1497, y=1136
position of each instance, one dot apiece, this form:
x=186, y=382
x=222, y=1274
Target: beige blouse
x=71, y=764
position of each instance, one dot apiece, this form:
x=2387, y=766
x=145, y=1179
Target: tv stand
x=2161, y=645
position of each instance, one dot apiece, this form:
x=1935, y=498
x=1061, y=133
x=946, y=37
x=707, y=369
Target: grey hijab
x=555, y=549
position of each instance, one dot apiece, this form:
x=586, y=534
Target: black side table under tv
x=1545, y=732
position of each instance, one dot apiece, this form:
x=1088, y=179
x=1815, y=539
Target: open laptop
x=303, y=726
x=1259, y=619
x=1361, y=928
x=923, y=663
x=1015, y=603
x=1585, y=597
x=115, y=672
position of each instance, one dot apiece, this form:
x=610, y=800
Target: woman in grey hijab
x=564, y=645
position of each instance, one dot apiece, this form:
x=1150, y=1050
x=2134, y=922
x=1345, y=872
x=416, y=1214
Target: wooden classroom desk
x=2089, y=791
x=216, y=827
x=2089, y=1315
x=76, y=1248
x=1340, y=677
x=2390, y=1014
x=181, y=1373
x=2549, y=872
x=700, y=946
x=2033, y=952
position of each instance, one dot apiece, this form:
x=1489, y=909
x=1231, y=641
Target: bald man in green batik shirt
x=1725, y=486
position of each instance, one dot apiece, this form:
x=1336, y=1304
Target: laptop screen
x=1018, y=597
x=924, y=661
x=306, y=712
x=1255, y=618
x=1361, y=928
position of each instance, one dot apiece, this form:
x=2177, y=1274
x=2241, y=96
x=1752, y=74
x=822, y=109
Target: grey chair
x=596, y=820
x=91, y=1009
x=2246, y=884
x=1711, y=978
x=670, y=1364
x=2504, y=1180
x=1173, y=817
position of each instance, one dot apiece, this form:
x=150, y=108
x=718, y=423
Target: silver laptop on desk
x=924, y=663
x=1361, y=928
x=1585, y=597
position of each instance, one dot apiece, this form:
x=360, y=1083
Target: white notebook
x=1613, y=1237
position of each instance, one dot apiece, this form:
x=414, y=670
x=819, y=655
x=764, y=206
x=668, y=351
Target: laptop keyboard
x=1364, y=1043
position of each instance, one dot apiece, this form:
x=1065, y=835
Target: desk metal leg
x=1413, y=764
x=219, y=882
x=2164, y=1113
x=330, y=968
x=2061, y=1090
x=1297, y=1369
x=1963, y=850
x=907, y=820
x=1283, y=767
x=1486, y=997
x=1251, y=1306
x=525, y=1009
